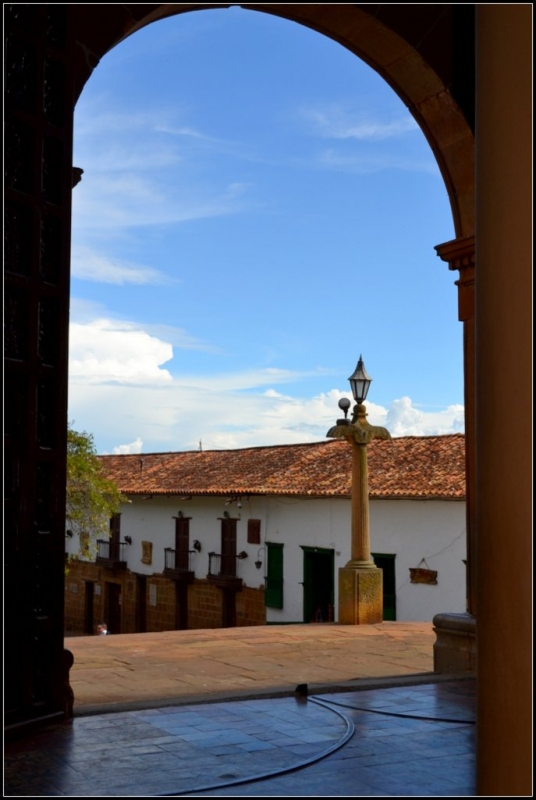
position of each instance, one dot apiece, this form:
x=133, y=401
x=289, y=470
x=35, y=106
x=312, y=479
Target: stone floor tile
x=220, y=744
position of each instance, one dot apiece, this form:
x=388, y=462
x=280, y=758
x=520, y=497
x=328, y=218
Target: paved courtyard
x=143, y=668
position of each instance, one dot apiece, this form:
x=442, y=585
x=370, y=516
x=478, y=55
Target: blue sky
x=257, y=209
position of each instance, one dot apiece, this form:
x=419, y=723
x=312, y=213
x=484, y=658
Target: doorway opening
x=141, y=603
x=318, y=584
x=386, y=562
x=89, y=621
x=112, y=607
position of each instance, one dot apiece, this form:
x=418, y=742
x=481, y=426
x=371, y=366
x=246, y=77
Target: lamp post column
x=360, y=552
x=360, y=581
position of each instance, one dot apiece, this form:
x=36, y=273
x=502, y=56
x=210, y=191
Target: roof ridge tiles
x=292, y=446
x=412, y=466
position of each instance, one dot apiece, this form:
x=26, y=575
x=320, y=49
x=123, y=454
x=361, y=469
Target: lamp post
x=360, y=581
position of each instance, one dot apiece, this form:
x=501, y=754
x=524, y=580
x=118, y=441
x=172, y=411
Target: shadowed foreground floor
x=214, y=712
x=408, y=741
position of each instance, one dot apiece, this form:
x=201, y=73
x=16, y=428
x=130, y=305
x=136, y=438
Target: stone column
x=360, y=509
x=455, y=646
x=460, y=255
x=505, y=397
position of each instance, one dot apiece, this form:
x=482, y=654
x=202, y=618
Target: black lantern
x=360, y=382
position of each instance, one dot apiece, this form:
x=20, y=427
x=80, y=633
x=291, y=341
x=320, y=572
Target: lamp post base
x=360, y=596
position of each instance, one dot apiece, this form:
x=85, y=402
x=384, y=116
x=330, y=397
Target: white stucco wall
x=411, y=530
x=433, y=530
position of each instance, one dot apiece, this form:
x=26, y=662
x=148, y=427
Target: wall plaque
x=146, y=552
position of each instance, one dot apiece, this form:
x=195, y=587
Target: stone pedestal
x=455, y=646
x=360, y=596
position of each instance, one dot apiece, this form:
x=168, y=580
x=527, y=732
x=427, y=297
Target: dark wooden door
x=38, y=181
x=141, y=603
x=228, y=570
x=112, y=607
x=228, y=547
x=318, y=584
x=182, y=543
x=273, y=595
x=89, y=621
x=228, y=614
x=181, y=605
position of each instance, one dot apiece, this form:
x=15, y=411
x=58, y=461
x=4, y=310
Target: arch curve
x=409, y=58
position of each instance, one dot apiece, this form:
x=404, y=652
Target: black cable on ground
x=394, y=714
x=350, y=730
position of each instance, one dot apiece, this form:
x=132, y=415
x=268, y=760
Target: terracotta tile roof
x=405, y=467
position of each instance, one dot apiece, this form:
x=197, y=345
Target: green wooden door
x=273, y=595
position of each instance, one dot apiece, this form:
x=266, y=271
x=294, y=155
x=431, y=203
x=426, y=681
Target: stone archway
x=51, y=51
x=425, y=52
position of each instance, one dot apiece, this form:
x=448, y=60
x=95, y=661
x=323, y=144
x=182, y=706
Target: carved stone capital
x=364, y=433
x=359, y=430
x=460, y=254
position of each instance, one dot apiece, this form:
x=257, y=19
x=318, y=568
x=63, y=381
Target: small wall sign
x=422, y=574
x=146, y=552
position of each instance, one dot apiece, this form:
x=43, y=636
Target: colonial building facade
x=254, y=536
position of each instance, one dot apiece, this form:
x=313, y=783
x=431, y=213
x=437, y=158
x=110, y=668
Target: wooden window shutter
x=254, y=531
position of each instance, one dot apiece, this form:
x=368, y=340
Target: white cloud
x=120, y=392
x=176, y=416
x=83, y=310
x=104, y=350
x=245, y=380
x=180, y=338
x=403, y=419
x=368, y=141
x=181, y=131
x=195, y=142
x=88, y=313
x=128, y=200
x=366, y=163
x=336, y=122
x=108, y=156
x=89, y=265
x=125, y=449
x=129, y=159
x=91, y=122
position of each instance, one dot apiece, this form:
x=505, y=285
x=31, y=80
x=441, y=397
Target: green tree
x=92, y=498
